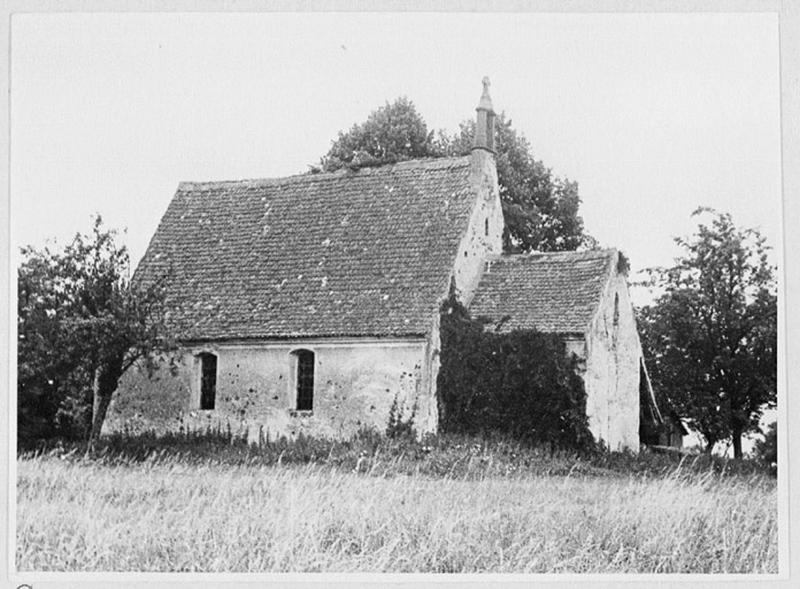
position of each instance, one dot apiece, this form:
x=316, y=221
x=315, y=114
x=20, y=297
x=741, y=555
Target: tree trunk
x=106, y=378
x=736, y=435
x=99, y=408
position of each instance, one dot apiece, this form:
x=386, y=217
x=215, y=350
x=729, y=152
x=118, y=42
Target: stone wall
x=484, y=235
x=613, y=351
x=355, y=384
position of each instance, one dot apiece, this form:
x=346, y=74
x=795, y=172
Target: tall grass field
x=457, y=507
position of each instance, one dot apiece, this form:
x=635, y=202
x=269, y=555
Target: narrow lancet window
x=208, y=380
x=305, y=379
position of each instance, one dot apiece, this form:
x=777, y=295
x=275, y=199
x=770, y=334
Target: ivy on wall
x=521, y=383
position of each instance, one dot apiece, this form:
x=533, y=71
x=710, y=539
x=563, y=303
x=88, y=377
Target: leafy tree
x=712, y=333
x=81, y=325
x=540, y=210
x=392, y=133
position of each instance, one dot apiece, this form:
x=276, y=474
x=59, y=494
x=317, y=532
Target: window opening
x=305, y=380
x=208, y=380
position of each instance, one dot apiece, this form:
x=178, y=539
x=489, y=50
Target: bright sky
x=652, y=114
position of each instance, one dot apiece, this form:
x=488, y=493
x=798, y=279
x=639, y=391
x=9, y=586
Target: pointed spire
x=484, y=126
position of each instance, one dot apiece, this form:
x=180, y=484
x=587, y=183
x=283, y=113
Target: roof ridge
x=595, y=253
x=429, y=163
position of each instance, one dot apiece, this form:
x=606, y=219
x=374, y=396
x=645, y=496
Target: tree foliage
x=711, y=335
x=81, y=325
x=766, y=449
x=391, y=133
x=521, y=383
x=540, y=209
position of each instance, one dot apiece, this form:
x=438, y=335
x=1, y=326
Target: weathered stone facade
x=611, y=378
x=356, y=383
x=484, y=235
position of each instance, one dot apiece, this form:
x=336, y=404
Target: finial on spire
x=484, y=125
x=486, y=100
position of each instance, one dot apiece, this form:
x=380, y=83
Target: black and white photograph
x=399, y=296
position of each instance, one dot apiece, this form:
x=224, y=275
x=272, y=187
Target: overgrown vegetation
x=400, y=426
x=211, y=502
x=522, y=383
x=453, y=455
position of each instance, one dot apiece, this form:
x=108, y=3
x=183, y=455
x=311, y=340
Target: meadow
x=372, y=505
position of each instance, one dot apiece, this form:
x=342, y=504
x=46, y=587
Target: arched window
x=208, y=380
x=486, y=226
x=304, y=379
x=616, y=310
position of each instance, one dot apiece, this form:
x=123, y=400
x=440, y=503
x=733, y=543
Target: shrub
x=766, y=450
x=522, y=383
x=398, y=426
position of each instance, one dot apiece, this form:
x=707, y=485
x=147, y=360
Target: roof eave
x=189, y=341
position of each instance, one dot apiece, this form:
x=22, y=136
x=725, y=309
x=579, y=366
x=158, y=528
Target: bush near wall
x=522, y=383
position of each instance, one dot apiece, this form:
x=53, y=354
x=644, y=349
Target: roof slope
x=345, y=253
x=551, y=292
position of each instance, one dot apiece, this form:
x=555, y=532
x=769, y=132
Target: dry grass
x=167, y=514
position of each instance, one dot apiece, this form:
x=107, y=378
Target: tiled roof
x=364, y=252
x=551, y=292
